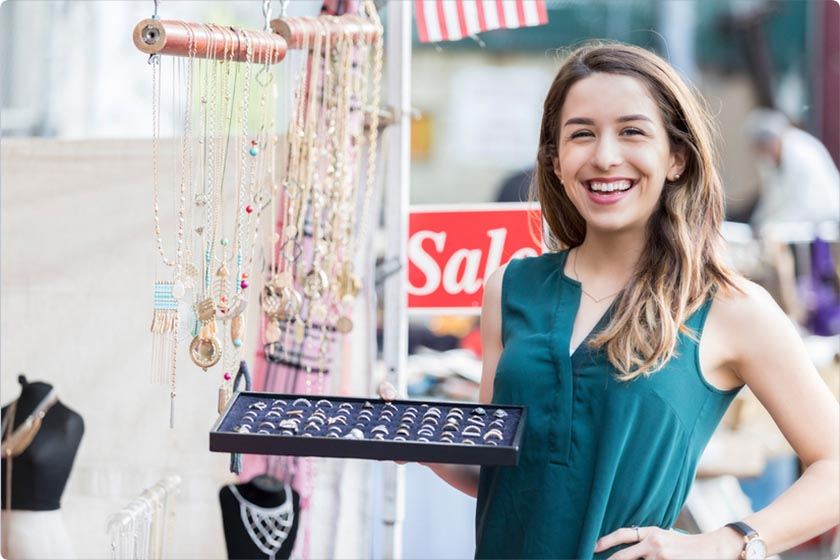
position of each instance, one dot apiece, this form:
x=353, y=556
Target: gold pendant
x=236, y=328
x=205, y=352
x=344, y=324
x=224, y=397
x=205, y=310
x=317, y=312
x=272, y=332
x=315, y=283
x=299, y=332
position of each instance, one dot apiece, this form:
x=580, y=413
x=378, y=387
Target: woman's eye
x=580, y=134
x=631, y=131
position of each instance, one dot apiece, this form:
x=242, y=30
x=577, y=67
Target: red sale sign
x=453, y=249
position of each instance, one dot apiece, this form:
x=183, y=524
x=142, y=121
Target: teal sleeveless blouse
x=597, y=454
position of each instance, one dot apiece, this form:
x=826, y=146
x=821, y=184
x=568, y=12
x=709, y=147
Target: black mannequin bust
x=265, y=492
x=40, y=473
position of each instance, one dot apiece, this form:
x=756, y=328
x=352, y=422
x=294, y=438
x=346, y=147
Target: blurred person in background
x=799, y=181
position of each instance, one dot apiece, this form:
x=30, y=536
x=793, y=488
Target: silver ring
x=471, y=431
x=638, y=534
x=290, y=424
x=500, y=414
x=273, y=413
x=337, y=420
x=324, y=402
x=267, y=424
x=477, y=420
x=380, y=429
x=355, y=433
x=302, y=401
x=345, y=406
x=493, y=433
x=478, y=411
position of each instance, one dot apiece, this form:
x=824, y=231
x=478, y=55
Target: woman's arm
x=770, y=357
x=465, y=477
x=760, y=345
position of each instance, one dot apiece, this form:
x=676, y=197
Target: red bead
x=227, y=376
x=253, y=142
x=244, y=275
x=249, y=208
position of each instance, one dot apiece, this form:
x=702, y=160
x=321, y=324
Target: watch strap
x=744, y=529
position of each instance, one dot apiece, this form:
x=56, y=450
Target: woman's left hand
x=654, y=543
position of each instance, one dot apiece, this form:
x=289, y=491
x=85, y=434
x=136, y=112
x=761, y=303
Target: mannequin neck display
x=41, y=470
x=260, y=518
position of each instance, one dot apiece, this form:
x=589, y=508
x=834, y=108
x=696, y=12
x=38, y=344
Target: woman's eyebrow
x=590, y=122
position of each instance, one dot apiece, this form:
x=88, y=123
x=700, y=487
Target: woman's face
x=613, y=154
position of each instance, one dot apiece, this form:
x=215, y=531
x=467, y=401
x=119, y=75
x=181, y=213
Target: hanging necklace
x=582, y=289
x=267, y=527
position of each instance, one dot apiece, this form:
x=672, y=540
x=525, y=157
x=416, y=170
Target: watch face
x=756, y=550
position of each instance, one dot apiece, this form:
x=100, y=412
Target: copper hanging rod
x=298, y=31
x=173, y=37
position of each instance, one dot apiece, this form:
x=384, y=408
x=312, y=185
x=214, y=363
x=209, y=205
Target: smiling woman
x=629, y=340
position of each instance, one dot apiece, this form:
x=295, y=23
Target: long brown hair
x=680, y=266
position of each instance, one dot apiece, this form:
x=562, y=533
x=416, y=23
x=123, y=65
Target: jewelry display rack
x=180, y=38
x=399, y=430
x=300, y=31
x=138, y=531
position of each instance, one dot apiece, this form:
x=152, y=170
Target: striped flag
x=450, y=20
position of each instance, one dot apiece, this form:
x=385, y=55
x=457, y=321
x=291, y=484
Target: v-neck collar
x=570, y=326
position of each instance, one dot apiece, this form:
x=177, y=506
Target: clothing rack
x=138, y=531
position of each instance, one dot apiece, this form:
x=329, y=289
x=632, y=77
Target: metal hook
x=155, y=15
x=284, y=7
x=266, y=10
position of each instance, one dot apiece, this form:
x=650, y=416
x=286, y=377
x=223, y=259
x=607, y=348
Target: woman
x=629, y=342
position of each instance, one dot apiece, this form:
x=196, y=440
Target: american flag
x=450, y=20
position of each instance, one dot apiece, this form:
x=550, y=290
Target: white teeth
x=610, y=187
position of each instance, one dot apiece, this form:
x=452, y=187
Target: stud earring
x=677, y=177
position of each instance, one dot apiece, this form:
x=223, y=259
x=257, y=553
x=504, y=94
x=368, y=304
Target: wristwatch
x=754, y=547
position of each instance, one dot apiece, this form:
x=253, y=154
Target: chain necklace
x=17, y=440
x=582, y=289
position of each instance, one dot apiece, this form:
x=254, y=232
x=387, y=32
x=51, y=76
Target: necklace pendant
x=318, y=312
x=205, y=350
x=299, y=332
x=205, y=310
x=344, y=324
x=315, y=284
x=272, y=332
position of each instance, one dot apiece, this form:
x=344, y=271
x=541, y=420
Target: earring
x=677, y=177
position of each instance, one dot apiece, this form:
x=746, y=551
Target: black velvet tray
x=225, y=437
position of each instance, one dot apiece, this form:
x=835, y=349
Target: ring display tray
x=399, y=430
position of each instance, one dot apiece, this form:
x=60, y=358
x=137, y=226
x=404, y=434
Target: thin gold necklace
x=582, y=289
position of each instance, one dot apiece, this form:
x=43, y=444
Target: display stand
x=395, y=323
